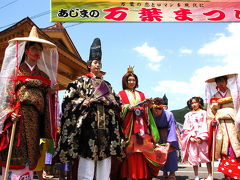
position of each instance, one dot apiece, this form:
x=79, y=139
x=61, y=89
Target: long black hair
x=197, y=99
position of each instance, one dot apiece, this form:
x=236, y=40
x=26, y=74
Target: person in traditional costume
x=90, y=122
x=166, y=125
x=194, y=137
x=222, y=92
x=27, y=79
x=140, y=131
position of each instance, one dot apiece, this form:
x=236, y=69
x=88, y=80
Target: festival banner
x=145, y=11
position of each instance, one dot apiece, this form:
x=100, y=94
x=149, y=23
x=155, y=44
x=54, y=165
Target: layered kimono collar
x=30, y=67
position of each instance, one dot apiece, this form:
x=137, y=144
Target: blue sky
x=171, y=58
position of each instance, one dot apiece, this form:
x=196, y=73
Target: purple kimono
x=166, y=125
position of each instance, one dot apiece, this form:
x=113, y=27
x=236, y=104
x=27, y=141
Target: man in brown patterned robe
x=27, y=102
x=34, y=119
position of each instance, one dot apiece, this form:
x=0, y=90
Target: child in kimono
x=194, y=137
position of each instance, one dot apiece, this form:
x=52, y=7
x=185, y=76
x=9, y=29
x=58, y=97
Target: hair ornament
x=130, y=69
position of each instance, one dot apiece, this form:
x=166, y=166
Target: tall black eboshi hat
x=95, y=50
x=165, y=100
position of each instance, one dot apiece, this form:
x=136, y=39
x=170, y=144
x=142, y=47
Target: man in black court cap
x=90, y=121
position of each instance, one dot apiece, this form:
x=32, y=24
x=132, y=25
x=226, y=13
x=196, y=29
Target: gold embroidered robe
x=34, y=122
x=226, y=133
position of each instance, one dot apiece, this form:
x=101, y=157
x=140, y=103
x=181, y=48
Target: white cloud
x=151, y=54
x=185, y=51
x=226, y=47
x=194, y=86
x=154, y=66
x=172, y=87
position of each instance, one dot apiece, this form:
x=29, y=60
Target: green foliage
x=179, y=114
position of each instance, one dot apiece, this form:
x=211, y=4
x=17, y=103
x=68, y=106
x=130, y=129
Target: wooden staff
x=213, y=150
x=16, y=111
x=10, y=150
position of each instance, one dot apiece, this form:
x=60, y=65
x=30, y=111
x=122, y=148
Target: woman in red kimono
x=140, y=132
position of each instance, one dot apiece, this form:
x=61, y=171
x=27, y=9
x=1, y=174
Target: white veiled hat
x=33, y=36
x=232, y=85
x=13, y=56
x=219, y=74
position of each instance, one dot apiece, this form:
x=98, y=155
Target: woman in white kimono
x=223, y=104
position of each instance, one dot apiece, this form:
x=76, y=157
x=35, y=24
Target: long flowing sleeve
x=172, y=135
x=185, y=137
x=69, y=122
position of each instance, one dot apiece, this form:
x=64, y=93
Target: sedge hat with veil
x=232, y=85
x=33, y=37
x=14, y=53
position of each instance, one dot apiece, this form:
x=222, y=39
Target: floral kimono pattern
x=195, y=125
x=32, y=91
x=91, y=132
